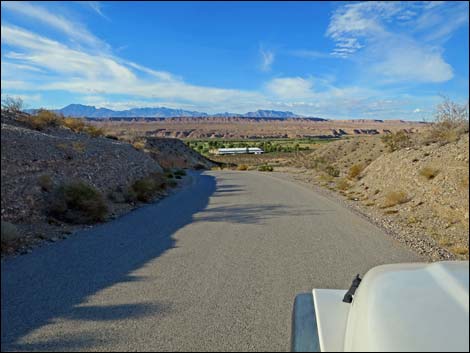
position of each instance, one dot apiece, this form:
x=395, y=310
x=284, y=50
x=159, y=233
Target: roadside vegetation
x=286, y=145
x=44, y=119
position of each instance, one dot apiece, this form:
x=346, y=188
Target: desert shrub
x=42, y=120
x=45, y=182
x=265, y=168
x=394, y=198
x=9, y=233
x=139, y=145
x=451, y=122
x=242, y=167
x=77, y=202
x=397, y=140
x=146, y=188
x=93, y=131
x=117, y=196
x=171, y=183
x=460, y=250
x=74, y=124
x=342, y=184
x=429, y=172
x=79, y=147
x=12, y=105
x=332, y=171
x=180, y=172
x=355, y=170
x=199, y=166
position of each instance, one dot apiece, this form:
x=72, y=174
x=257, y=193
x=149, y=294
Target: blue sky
x=375, y=60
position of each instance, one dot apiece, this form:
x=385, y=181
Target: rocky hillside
x=251, y=128
x=61, y=155
x=424, y=189
x=56, y=172
x=415, y=185
x=173, y=153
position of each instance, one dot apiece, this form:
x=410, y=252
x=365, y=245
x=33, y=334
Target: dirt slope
x=420, y=192
x=173, y=153
x=63, y=156
x=434, y=180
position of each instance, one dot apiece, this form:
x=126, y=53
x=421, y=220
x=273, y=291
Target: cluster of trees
x=267, y=146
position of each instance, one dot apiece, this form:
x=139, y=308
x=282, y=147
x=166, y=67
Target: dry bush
x=145, y=189
x=74, y=124
x=464, y=183
x=451, y=122
x=42, y=120
x=460, y=250
x=79, y=147
x=342, y=184
x=77, y=202
x=397, y=140
x=429, y=172
x=356, y=170
x=394, y=198
x=12, y=105
x=9, y=234
x=242, y=167
x=93, y=131
x=45, y=182
x=139, y=145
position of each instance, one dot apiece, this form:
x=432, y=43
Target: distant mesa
x=80, y=110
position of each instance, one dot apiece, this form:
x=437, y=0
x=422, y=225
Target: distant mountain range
x=80, y=110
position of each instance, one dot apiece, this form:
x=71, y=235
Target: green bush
x=397, y=140
x=265, y=168
x=146, y=188
x=332, y=171
x=9, y=234
x=77, y=202
x=180, y=172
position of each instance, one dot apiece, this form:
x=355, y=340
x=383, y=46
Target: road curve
x=214, y=267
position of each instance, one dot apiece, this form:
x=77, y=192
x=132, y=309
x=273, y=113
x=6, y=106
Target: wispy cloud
x=77, y=71
x=396, y=55
x=96, y=6
x=267, y=59
x=72, y=29
x=309, y=54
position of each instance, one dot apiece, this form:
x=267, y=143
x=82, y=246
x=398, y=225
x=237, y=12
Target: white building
x=241, y=150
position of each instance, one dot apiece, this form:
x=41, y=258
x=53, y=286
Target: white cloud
x=71, y=28
x=77, y=71
x=290, y=87
x=35, y=63
x=267, y=59
x=406, y=60
x=96, y=6
x=395, y=55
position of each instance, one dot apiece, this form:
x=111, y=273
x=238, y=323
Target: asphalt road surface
x=215, y=266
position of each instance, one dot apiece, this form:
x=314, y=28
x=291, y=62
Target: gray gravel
x=213, y=267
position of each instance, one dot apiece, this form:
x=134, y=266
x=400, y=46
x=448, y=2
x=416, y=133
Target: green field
x=284, y=145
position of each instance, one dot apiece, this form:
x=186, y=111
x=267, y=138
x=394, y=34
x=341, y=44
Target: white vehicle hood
x=411, y=307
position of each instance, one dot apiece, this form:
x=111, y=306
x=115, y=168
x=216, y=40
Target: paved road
x=213, y=267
